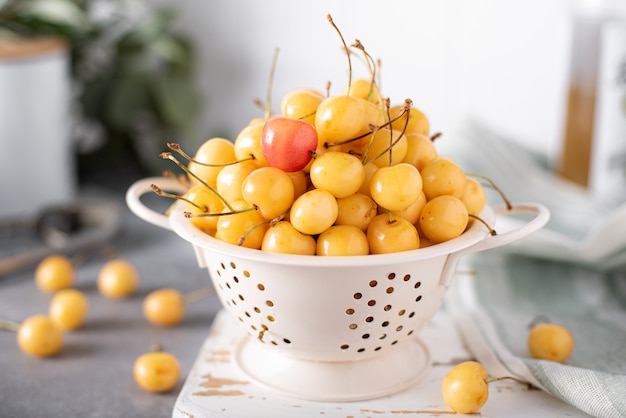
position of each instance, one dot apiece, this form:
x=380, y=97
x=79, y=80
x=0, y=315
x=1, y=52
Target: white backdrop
x=503, y=62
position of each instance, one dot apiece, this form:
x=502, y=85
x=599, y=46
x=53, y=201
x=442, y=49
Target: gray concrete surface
x=92, y=376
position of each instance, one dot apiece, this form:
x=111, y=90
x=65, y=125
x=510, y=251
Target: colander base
x=369, y=378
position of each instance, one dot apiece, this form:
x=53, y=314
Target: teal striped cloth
x=572, y=272
x=497, y=296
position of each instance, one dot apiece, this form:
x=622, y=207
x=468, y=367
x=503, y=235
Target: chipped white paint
x=216, y=387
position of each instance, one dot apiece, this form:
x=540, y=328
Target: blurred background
x=142, y=73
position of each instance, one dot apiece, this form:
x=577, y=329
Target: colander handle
x=492, y=241
x=143, y=186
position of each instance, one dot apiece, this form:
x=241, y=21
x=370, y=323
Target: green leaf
x=126, y=100
x=176, y=100
x=57, y=12
x=150, y=28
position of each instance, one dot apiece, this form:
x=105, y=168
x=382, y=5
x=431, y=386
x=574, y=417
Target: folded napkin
x=572, y=272
x=584, y=228
x=494, y=306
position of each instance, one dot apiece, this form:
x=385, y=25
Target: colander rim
x=184, y=228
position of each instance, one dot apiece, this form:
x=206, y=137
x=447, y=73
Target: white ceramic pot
x=38, y=158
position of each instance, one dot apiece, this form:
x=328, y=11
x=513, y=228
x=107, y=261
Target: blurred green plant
x=133, y=76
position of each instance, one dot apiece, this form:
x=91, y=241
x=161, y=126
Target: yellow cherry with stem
x=443, y=218
x=388, y=234
x=494, y=186
x=270, y=190
x=357, y=210
x=343, y=118
x=417, y=121
x=230, y=179
x=301, y=104
x=210, y=158
x=465, y=388
x=314, y=211
x=442, y=176
x=337, y=172
x=156, y=371
x=198, y=200
x=420, y=149
x=411, y=213
x=396, y=187
x=37, y=335
x=167, y=306
x=243, y=225
x=169, y=156
x=248, y=143
x=387, y=147
x=473, y=196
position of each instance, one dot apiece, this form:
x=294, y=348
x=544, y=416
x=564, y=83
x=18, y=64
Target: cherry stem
x=242, y=238
x=180, y=177
x=495, y=379
x=378, y=66
x=169, y=156
x=392, y=143
x=209, y=215
x=495, y=187
x=539, y=319
x=198, y=294
x=390, y=218
x=7, y=325
x=407, y=104
x=270, y=222
x=176, y=148
x=160, y=192
x=371, y=66
x=328, y=84
x=270, y=84
x=345, y=46
x=492, y=231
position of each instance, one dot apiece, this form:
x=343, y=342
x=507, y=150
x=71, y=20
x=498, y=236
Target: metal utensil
x=62, y=229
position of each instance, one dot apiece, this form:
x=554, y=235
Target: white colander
x=331, y=328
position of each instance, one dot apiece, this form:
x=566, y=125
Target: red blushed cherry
x=288, y=143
